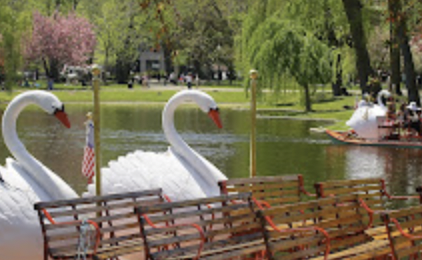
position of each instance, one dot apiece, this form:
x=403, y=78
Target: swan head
x=209, y=106
x=384, y=93
x=205, y=102
x=52, y=105
x=382, y=96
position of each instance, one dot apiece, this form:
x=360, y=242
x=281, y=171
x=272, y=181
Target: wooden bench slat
x=342, y=183
x=269, y=179
x=94, y=208
x=94, y=199
x=285, y=186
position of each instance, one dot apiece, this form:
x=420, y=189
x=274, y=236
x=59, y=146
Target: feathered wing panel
x=364, y=121
x=20, y=232
x=148, y=170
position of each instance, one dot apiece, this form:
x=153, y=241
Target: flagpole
x=254, y=76
x=96, y=73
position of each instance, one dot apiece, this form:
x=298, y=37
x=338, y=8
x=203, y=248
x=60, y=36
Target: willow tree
x=280, y=47
x=14, y=21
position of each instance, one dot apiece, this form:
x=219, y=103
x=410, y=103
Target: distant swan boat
x=181, y=172
x=364, y=119
x=25, y=181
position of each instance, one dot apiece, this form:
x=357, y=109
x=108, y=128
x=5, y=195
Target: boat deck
x=350, y=138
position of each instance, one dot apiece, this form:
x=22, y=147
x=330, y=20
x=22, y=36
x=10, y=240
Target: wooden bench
x=273, y=190
x=405, y=232
x=101, y=227
x=372, y=190
x=309, y=230
x=193, y=229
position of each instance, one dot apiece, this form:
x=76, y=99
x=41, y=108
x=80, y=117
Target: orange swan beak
x=62, y=116
x=215, y=116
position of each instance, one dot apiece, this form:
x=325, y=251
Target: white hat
x=412, y=106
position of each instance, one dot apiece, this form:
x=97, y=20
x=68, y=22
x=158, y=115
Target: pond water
x=283, y=146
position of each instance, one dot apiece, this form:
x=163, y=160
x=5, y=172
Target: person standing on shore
x=188, y=79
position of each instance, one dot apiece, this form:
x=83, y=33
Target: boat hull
x=347, y=138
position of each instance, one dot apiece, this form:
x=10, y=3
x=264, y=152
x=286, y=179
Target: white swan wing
x=208, y=180
x=364, y=121
x=20, y=232
x=148, y=170
x=19, y=178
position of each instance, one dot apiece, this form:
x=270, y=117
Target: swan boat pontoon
x=348, y=137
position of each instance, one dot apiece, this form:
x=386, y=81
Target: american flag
x=88, y=163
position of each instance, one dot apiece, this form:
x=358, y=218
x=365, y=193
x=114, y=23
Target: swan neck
x=173, y=137
x=17, y=149
x=52, y=184
x=202, y=167
x=379, y=99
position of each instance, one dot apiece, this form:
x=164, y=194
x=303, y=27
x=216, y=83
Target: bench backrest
x=219, y=225
x=402, y=226
x=338, y=216
x=275, y=190
x=61, y=221
x=371, y=190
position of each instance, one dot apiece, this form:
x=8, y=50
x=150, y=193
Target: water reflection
x=284, y=147
x=400, y=167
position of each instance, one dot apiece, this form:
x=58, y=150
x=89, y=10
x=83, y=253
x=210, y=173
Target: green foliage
x=280, y=47
x=121, y=27
x=204, y=33
x=14, y=20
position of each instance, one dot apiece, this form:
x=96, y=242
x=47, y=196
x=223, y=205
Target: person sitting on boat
x=391, y=109
x=401, y=113
x=412, y=118
x=391, y=120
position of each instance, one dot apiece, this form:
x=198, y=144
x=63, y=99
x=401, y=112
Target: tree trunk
x=168, y=63
x=122, y=70
x=308, y=105
x=54, y=70
x=75, y=4
x=354, y=16
x=337, y=84
x=409, y=67
x=46, y=69
x=197, y=68
x=394, y=46
x=105, y=70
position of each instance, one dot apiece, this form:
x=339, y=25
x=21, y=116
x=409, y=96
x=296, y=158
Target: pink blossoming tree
x=60, y=40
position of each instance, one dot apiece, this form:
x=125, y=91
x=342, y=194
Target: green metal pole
x=254, y=76
x=96, y=73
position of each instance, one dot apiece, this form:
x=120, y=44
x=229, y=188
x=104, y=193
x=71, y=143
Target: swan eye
x=58, y=109
x=215, y=109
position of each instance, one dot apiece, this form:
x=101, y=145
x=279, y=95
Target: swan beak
x=62, y=116
x=215, y=117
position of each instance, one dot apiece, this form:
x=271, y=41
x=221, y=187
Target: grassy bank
x=286, y=104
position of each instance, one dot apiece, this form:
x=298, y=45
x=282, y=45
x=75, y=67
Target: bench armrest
x=402, y=232
x=197, y=227
x=302, y=187
x=369, y=211
x=93, y=223
x=302, y=229
x=307, y=193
